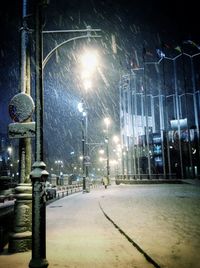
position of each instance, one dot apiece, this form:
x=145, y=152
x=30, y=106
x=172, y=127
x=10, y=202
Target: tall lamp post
x=83, y=137
x=88, y=64
x=39, y=174
x=107, y=123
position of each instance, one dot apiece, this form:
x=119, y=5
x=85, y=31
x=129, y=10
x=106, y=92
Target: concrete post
x=20, y=238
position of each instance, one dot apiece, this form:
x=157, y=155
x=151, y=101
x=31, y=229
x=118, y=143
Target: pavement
x=123, y=226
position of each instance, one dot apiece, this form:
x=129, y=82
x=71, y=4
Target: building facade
x=160, y=117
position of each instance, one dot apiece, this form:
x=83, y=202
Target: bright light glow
x=107, y=121
x=80, y=107
x=89, y=60
x=113, y=162
x=88, y=66
x=58, y=162
x=194, y=151
x=87, y=84
x=9, y=150
x=116, y=139
x=101, y=159
x=86, y=74
x=119, y=148
x=101, y=151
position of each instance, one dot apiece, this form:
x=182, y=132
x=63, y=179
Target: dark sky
x=134, y=24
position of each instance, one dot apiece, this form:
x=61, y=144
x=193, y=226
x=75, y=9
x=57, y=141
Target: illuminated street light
x=9, y=150
x=60, y=165
x=80, y=107
x=101, y=151
x=107, y=122
x=116, y=139
x=89, y=62
x=101, y=159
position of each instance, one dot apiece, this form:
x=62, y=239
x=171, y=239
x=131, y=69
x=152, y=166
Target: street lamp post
x=107, y=122
x=88, y=62
x=60, y=165
x=107, y=160
x=82, y=109
x=39, y=174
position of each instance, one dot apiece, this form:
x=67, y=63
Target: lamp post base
x=84, y=185
x=38, y=263
x=20, y=242
x=39, y=176
x=20, y=238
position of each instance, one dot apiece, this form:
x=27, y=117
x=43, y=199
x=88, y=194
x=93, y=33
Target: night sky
x=135, y=25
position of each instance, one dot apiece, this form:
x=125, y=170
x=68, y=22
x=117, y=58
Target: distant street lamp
x=59, y=163
x=107, y=123
x=9, y=150
x=82, y=110
x=116, y=139
x=101, y=151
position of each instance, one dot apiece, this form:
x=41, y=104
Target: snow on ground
x=164, y=220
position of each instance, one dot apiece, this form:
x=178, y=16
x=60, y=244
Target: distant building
x=159, y=119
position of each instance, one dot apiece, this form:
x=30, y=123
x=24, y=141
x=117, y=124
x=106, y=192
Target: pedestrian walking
x=105, y=182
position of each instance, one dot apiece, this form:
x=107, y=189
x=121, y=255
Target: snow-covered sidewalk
x=116, y=227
